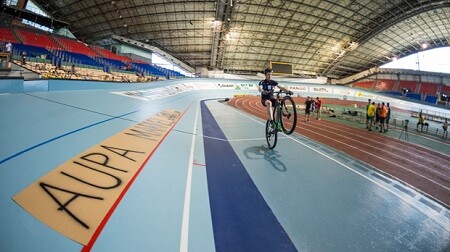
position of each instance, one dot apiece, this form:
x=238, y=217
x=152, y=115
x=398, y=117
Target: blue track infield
x=242, y=220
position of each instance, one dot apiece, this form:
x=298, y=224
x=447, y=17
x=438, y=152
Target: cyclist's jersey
x=267, y=85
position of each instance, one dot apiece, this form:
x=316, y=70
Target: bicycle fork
x=279, y=114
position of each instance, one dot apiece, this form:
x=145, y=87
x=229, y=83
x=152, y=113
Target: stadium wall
x=178, y=86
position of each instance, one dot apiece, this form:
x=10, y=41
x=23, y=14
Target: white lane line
x=338, y=128
x=235, y=140
x=388, y=189
x=385, y=160
x=425, y=153
x=187, y=197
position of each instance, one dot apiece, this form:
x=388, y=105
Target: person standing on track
x=383, y=115
x=421, y=121
x=388, y=116
x=266, y=87
x=377, y=115
x=318, y=107
x=370, y=115
x=445, y=126
x=308, y=108
x=367, y=114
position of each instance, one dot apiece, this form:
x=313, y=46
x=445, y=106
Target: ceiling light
x=424, y=46
x=352, y=45
x=216, y=23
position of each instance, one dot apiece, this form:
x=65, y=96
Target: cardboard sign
x=75, y=197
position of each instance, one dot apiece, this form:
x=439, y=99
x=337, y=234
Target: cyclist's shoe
x=273, y=127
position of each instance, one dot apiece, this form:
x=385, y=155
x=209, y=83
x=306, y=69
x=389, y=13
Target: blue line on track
x=61, y=136
x=242, y=220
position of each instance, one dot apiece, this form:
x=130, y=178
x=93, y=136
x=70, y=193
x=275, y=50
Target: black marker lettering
x=141, y=134
x=104, y=163
x=118, y=180
x=63, y=207
x=121, y=152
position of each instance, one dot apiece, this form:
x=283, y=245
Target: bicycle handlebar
x=280, y=92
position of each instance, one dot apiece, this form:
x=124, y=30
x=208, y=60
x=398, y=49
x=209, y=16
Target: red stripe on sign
x=99, y=229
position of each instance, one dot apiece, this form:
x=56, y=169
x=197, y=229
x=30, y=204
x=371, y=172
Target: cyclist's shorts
x=263, y=101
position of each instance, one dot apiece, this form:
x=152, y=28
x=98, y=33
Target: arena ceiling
x=332, y=38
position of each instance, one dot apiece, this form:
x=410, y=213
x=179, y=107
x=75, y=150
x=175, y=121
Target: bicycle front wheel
x=289, y=115
x=271, y=135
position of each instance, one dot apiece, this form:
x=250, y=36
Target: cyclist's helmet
x=267, y=70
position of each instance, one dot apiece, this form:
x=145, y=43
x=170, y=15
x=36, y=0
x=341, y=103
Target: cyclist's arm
x=260, y=88
x=262, y=91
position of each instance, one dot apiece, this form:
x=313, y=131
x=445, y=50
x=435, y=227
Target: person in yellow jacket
x=371, y=114
x=421, y=121
x=367, y=115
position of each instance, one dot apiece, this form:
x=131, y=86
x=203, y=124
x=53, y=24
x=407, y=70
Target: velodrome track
x=209, y=184
x=426, y=170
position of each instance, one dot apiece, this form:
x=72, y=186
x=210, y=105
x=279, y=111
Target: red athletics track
x=424, y=169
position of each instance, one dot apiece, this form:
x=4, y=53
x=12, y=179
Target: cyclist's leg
x=269, y=108
x=275, y=111
x=269, y=105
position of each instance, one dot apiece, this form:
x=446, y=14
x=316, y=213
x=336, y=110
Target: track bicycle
x=284, y=118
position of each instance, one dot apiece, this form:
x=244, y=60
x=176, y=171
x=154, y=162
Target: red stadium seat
x=6, y=34
x=385, y=85
x=37, y=39
x=364, y=84
x=110, y=55
x=428, y=88
x=76, y=46
x=410, y=85
x=445, y=90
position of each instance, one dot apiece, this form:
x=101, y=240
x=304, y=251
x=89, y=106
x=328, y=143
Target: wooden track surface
x=422, y=168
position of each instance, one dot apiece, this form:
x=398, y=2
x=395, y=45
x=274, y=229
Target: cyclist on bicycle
x=266, y=87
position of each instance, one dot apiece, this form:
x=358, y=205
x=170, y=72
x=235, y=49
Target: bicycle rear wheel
x=271, y=135
x=289, y=115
